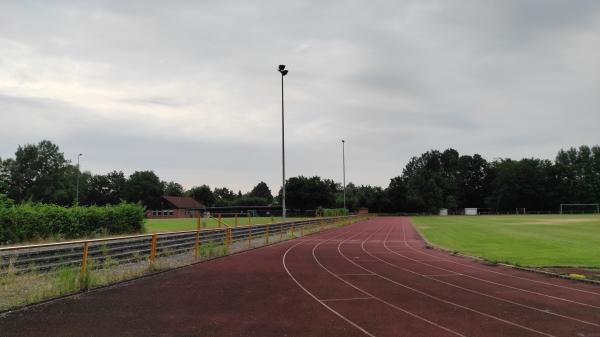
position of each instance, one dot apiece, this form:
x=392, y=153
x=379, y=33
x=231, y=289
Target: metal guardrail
x=109, y=252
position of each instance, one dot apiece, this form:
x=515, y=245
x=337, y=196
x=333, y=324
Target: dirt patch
x=589, y=273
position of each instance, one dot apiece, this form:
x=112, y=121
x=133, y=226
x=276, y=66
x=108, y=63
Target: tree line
x=433, y=180
x=41, y=173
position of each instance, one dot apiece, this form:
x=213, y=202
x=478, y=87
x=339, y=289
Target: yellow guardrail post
x=197, y=243
x=153, y=249
x=84, y=257
x=228, y=239
x=267, y=235
x=249, y=236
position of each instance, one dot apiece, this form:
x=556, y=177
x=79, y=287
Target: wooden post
x=249, y=219
x=199, y=221
x=219, y=217
x=84, y=258
x=153, y=249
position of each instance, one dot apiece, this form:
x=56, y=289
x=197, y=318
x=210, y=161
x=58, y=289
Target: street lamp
x=344, y=169
x=78, y=173
x=283, y=73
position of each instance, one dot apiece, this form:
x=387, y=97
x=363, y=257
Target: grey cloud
x=190, y=89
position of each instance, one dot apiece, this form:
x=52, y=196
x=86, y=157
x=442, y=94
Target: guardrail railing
x=30, y=273
x=100, y=253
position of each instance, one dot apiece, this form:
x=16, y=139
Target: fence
x=89, y=263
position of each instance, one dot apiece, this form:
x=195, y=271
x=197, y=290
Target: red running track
x=373, y=278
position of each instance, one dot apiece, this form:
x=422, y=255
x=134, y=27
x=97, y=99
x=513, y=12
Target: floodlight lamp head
x=283, y=73
x=281, y=67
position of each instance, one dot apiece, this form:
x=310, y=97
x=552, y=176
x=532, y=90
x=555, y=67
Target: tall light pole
x=283, y=73
x=78, y=173
x=344, y=169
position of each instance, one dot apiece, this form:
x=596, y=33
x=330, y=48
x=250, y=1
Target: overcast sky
x=190, y=89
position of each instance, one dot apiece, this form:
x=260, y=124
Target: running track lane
x=374, y=278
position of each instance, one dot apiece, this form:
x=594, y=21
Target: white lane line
x=438, y=298
x=315, y=298
x=356, y=274
x=480, y=293
x=346, y=299
x=496, y=283
x=500, y=273
x=440, y=275
x=380, y=299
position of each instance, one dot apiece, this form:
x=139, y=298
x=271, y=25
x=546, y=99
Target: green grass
x=168, y=225
x=525, y=240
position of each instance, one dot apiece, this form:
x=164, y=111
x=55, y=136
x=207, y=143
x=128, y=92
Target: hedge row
x=332, y=211
x=32, y=221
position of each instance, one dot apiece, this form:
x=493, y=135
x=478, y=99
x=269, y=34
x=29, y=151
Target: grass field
x=525, y=240
x=168, y=225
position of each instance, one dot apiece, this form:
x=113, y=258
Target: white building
x=470, y=211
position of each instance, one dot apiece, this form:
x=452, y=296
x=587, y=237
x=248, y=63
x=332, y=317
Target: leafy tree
x=173, y=189
x=471, y=181
x=525, y=183
x=223, y=196
x=4, y=175
x=202, y=194
x=262, y=190
x=145, y=187
x=5, y=201
x=308, y=193
x=40, y=172
x=106, y=189
x=397, y=194
x=248, y=200
x=578, y=172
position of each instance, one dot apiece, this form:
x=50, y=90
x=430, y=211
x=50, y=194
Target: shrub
x=332, y=211
x=30, y=221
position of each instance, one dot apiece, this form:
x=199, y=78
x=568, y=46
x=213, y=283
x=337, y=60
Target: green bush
x=332, y=211
x=32, y=221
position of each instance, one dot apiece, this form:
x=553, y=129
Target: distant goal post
x=579, y=208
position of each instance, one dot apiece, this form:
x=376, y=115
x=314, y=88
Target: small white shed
x=443, y=211
x=470, y=211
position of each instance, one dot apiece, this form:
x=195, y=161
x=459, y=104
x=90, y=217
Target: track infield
x=371, y=278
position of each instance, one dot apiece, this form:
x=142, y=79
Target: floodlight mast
x=344, y=169
x=78, y=174
x=283, y=72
